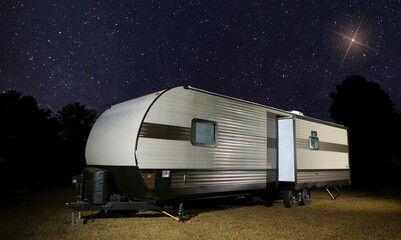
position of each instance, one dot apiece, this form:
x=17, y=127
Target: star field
x=285, y=54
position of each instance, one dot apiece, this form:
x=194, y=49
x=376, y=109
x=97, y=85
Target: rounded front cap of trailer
x=112, y=140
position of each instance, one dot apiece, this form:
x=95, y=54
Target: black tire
x=291, y=198
x=306, y=198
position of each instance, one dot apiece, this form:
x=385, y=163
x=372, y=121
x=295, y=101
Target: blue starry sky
x=285, y=54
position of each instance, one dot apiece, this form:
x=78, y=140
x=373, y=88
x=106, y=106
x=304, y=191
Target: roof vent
x=297, y=112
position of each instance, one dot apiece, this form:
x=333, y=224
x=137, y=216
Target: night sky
x=285, y=54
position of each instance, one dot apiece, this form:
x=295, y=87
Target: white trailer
x=186, y=143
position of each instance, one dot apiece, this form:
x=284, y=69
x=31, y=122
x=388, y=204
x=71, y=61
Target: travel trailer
x=184, y=143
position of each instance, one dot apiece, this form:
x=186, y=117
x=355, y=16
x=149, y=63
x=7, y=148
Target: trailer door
x=286, y=150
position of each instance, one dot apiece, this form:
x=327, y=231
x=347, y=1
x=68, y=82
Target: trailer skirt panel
x=308, y=176
x=215, y=178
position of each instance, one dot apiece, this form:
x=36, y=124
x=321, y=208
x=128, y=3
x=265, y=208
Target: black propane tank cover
x=95, y=185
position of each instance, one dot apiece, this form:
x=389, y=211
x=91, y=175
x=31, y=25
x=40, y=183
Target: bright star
x=352, y=40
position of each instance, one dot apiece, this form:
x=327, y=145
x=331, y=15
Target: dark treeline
x=37, y=149
x=374, y=126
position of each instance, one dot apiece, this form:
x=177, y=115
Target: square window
x=204, y=132
x=314, y=141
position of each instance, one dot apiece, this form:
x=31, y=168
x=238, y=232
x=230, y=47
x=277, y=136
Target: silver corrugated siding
x=242, y=133
x=243, y=137
x=333, y=152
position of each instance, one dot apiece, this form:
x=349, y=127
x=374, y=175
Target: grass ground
x=42, y=214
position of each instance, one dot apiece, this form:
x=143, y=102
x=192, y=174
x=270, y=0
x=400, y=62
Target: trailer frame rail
x=116, y=206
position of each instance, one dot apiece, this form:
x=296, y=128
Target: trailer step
x=331, y=195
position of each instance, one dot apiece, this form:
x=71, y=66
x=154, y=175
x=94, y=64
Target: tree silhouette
x=76, y=121
x=370, y=115
x=27, y=138
x=37, y=149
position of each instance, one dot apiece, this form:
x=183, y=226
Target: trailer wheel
x=291, y=198
x=306, y=198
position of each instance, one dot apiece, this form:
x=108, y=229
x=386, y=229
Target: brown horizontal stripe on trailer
x=162, y=131
x=169, y=132
x=323, y=146
x=334, y=147
x=302, y=143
